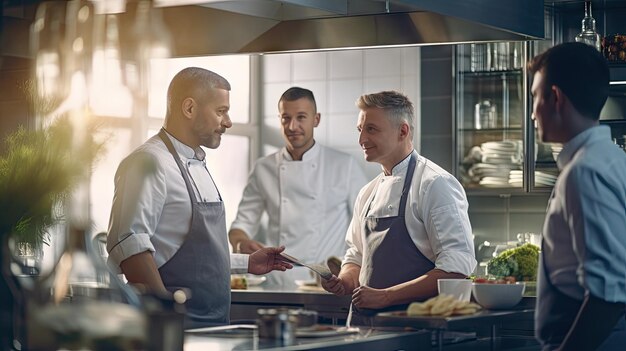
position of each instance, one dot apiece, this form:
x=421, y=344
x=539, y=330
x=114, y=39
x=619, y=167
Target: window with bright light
x=229, y=164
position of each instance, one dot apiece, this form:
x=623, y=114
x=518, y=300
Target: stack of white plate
x=498, y=159
x=502, y=152
x=556, y=150
x=541, y=178
x=494, y=182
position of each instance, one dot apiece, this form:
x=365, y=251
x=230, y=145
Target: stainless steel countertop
x=244, y=303
x=461, y=323
x=366, y=339
x=280, y=295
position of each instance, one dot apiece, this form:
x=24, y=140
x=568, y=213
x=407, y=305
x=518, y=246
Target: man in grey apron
x=167, y=229
x=410, y=225
x=581, y=288
x=204, y=258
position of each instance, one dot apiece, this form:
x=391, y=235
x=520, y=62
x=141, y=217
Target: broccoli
x=520, y=262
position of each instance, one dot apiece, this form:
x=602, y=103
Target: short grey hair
x=193, y=82
x=397, y=106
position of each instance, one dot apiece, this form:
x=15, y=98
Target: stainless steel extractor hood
x=205, y=27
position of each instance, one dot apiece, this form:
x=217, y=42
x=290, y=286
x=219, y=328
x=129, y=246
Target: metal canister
x=278, y=324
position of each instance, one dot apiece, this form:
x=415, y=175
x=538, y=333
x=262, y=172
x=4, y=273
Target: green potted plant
x=38, y=170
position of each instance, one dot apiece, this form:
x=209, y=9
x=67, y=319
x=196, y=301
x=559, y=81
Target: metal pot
x=281, y=323
x=277, y=324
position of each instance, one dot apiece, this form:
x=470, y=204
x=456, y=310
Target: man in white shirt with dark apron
x=581, y=285
x=410, y=225
x=167, y=228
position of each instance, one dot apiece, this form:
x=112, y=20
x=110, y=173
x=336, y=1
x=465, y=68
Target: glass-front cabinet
x=495, y=144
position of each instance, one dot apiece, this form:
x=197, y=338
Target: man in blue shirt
x=582, y=274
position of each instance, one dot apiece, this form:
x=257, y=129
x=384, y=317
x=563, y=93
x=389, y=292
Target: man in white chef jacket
x=167, y=228
x=410, y=225
x=306, y=189
x=581, y=282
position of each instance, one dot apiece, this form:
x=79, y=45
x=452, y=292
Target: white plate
x=503, y=180
x=254, y=280
x=510, y=160
x=545, y=175
x=502, y=173
x=501, y=145
x=497, y=185
x=494, y=184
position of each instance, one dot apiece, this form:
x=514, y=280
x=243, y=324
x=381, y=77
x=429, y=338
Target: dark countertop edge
x=287, y=297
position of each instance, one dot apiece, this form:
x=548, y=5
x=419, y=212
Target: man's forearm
x=420, y=288
x=349, y=274
x=140, y=269
x=594, y=322
x=235, y=236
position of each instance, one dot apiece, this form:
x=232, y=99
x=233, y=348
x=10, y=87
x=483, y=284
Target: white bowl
x=498, y=296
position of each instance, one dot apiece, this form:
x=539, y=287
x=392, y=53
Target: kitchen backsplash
x=337, y=79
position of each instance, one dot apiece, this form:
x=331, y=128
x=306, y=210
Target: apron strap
x=170, y=148
x=407, y=185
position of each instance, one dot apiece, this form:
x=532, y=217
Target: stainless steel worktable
x=366, y=340
x=484, y=319
x=245, y=303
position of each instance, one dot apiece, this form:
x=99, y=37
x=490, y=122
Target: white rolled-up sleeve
x=239, y=263
x=140, y=189
x=354, y=235
x=443, y=208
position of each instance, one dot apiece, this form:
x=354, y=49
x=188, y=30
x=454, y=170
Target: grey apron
x=202, y=263
x=390, y=256
x=555, y=313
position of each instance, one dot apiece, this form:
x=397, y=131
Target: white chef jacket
x=309, y=204
x=436, y=215
x=151, y=208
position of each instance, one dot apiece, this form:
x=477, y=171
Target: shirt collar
x=184, y=150
x=402, y=165
x=587, y=136
x=308, y=155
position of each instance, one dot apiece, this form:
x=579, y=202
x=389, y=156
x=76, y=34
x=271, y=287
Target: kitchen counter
x=515, y=323
x=365, y=339
x=244, y=303
x=496, y=322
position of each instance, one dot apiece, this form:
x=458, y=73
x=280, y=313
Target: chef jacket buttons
x=282, y=168
x=390, y=207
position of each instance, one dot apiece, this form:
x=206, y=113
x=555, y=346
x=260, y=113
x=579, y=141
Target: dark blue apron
x=555, y=313
x=202, y=263
x=390, y=257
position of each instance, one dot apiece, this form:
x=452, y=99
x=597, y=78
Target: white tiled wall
x=337, y=79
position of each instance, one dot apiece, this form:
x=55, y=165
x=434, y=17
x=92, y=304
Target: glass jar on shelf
x=485, y=115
